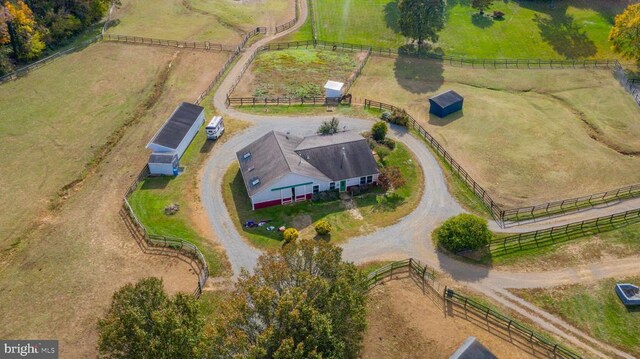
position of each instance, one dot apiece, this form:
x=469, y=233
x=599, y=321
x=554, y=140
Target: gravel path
x=410, y=236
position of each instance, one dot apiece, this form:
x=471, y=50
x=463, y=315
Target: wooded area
x=28, y=28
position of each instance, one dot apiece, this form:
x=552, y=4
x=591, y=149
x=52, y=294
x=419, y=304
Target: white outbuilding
x=333, y=89
x=173, y=138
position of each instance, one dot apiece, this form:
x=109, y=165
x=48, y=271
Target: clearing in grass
x=295, y=72
x=372, y=210
x=220, y=21
x=529, y=29
x=526, y=136
x=594, y=308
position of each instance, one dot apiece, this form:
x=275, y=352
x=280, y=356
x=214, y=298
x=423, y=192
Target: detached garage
x=173, y=138
x=445, y=103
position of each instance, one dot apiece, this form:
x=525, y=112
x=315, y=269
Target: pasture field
x=530, y=29
x=527, y=136
x=295, y=72
x=56, y=118
x=62, y=273
x=373, y=210
x=594, y=308
x=220, y=21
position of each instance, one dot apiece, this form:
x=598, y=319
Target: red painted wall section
x=266, y=204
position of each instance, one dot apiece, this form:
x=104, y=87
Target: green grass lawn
x=376, y=212
x=295, y=73
x=594, y=308
x=530, y=29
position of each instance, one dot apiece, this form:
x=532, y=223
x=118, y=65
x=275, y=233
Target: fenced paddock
x=289, y=24
x=457, y=304
x=503, y=216
x=287, y=101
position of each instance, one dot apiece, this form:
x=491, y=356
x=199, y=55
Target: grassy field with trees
x=529, y=29
x=594, y=308
x=222, y=21
x=374, y=210
x=516, y=123
x=295, y=72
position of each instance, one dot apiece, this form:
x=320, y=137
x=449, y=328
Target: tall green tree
x=481, y=5
x=144, y=322
x=625, y=33
x=422, y=19
x=303, y=302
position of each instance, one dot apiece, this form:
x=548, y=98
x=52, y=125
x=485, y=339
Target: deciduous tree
x=143, y=322
x=25, y=39
x=463, y=232
x=625, y=33
x=379, y=131
x=303, y=302
x=390, y=177
x=481, y=5
x=422, y=19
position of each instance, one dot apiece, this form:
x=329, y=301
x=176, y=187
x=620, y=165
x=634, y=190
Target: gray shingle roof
x=173, y=131
x=321, y=157
x=447, y=98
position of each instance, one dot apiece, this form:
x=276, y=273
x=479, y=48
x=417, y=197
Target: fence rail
x=196, y=45
x=457, y=168
x=177, y=244
x=289, y=24
x=416, y=269
x=548, y=236
x=265, y=101
x=631, y=85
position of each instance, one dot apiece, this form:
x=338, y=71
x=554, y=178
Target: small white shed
x=163, y=164
x=333, y=89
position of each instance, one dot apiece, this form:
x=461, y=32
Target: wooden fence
x=514, y=215
x=456, y=167
x=355, y=74
x=629, y=84
x=557, y=234
x=180, y=245
x=289, y=24
x=195, y=45
x=427, y=276
x=288, y=101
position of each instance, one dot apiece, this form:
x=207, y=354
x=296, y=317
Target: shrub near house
x=463, y=232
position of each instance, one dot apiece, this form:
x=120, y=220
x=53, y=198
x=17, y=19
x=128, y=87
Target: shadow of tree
x=481, y=21
x=392, y=16
x=565, y=36
x=418, y=75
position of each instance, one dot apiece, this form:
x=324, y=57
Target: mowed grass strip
x=376, y=210
x=530, y=29
x=295, y=73
x=526, y=136
x=594, y=308
x=222, y=21
x=56, y=118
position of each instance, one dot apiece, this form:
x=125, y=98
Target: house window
x=316, y=188
x=332, y=185
x=363, y=180
x=369, y=179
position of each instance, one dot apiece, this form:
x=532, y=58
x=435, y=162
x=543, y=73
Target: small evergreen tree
x=329, y=127
x=463, y=232
x=379, y=131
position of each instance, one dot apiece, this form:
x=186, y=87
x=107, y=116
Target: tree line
x=31, y=27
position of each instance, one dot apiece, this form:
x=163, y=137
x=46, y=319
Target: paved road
x=409, y=237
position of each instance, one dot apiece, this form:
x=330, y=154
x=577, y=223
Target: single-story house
x=445, y=103
x=280, y=168
x=173, y=138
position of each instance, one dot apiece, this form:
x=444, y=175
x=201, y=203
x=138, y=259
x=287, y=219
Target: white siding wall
x=158, y=149
x=288, y=180
x=190, y=135
x=158, y=169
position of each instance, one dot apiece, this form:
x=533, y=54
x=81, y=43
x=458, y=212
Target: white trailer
x=215, y=128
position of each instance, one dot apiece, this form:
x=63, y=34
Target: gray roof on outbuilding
x=167, y=157
x=277, y=154
x=181, y=120
x=447, y=98
x=472, y=349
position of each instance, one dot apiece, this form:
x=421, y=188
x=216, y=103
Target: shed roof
x=472, y=349
x=174, y=130
x=446, y=99
x=165, y=157
x=334, y=85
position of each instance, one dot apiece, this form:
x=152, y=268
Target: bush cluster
x=323, y=227
x=290, y=235
x=463, y=232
